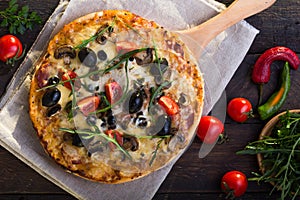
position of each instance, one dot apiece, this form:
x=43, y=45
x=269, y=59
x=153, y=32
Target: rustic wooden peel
x=202, y=34
x=197, y=38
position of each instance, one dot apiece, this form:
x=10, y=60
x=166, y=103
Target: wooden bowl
x=266, y=131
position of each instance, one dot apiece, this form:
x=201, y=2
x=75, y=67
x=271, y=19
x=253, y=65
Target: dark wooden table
x=191, y=177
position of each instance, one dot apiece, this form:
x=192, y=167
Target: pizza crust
x=106, y=163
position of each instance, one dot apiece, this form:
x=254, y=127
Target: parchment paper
x=218, y=63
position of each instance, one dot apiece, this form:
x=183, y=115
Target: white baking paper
x=218, y=63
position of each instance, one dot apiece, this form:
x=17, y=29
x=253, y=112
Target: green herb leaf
x=84, y=43
x=97, y=132
x=17, y=21
x=157, y=92
x=154, y=153
x=121, y=58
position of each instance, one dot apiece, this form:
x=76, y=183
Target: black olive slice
x=136, y=101
x=51, y=97
x=88, y=57
x=53, y=110
x=102, y=55
x=54, y=80
x=77, y=141
x=167, y=125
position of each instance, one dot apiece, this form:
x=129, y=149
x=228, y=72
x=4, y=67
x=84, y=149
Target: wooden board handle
x=238, y=10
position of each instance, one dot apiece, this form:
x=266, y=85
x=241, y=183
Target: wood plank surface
x=191, y=177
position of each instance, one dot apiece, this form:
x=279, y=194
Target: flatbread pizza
x=115, y=97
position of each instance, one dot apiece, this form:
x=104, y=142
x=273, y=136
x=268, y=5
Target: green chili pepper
x=275, y=102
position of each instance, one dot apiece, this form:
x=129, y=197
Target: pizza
x=115, y=97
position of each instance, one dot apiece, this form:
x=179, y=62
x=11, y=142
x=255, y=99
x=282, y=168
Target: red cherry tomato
x=113, y=92
x=10, y=48
x=115, y=135
x=209, y=129
x=239, y=109
x=170, y=106
x=67, y=77
x=234, y=183
x=88, y=105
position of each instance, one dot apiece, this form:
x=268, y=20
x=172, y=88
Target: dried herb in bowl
x=278, y=152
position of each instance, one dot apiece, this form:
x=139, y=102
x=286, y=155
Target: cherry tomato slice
x=71, y=76
x=209, y=129
x=10, y=47
x=239, y=109
x=170, y=106
x=115, y=135
x=234, y=183
x=113, y=92
x=88, y=105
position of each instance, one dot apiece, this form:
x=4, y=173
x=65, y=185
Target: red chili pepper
x=262, y=68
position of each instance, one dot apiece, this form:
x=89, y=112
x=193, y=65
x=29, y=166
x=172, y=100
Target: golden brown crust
x=110, y=165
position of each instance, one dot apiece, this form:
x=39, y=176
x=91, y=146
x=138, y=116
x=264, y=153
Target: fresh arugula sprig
x=123, y=97
x=157, y=58
x=18, y=20
x=157, y=92
x=121, y=58
x=161, y=139
x=154, y=153
x=112, y=64
x=84, y=43
x=87, y=134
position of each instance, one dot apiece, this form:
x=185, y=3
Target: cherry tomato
x=239, y=109
x=88, y=105
x=68, y=76
x=115, y=135
x=234, y=183
x=113, y=92
x=170, y=106
x=10, y=48
x=209, y=129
